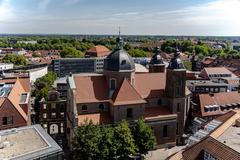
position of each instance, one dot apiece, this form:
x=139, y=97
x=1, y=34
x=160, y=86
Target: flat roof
x=27, y=143
x=204, y=83
x=231, y=138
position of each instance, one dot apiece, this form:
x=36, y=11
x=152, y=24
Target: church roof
x=126, y=94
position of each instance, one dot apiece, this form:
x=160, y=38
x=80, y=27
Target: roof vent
x=237, y=122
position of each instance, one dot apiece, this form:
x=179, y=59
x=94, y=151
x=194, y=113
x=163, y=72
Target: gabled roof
x=91, y=88
x=14, y=97
x=126, y=94
x=98, y=51
x=221, y=98
x=211, y=146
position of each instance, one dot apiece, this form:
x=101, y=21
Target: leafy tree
x=144, y=137
x=138, y=53
x=123, y=140
x=70, y=52
x=15, y=59
x=86, y=142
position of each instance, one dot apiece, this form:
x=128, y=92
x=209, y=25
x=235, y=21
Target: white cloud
x=127, y=14
x=6, y=10
x=43, y=4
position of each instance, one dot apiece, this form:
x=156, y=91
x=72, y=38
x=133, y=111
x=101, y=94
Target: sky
x=135, y=17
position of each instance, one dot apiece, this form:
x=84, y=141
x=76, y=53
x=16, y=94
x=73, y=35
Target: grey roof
x=119, y=60
x=156, y=58
x=28, y=143
x=176, y=62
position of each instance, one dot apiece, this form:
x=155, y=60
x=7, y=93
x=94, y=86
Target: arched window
x=159, y=102
x=53, y=129
x=101, y=106
x=113, y=84
x=84, y=108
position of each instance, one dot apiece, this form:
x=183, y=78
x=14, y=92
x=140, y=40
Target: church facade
x=119, y=93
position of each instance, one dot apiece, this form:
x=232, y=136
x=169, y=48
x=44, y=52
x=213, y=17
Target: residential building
x=5, y=66
x=97, y=51
x=65, y=66
x=221, y=75
x=14, y=103
x=206, y=86
x=220, y=143
x=29, y=142
x=121, y=93
x=215, y=104
x=53, y=117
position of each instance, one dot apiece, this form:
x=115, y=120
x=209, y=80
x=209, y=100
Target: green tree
x=144, y=136
x=123, y=140
x=15, y=59
x=70, y=52
x=138, y=53
x=86, y=142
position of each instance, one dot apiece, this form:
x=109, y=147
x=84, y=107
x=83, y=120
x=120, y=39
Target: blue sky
x=154, y=17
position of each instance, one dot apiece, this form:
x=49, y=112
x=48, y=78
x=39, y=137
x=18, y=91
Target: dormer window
x=113, y=84
x=84, y=108
x=123, y=62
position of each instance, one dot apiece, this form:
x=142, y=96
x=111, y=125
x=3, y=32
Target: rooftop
x=26, y=143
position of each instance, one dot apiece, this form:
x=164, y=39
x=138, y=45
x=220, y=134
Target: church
x=159, y=96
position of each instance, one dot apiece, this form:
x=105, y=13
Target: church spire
x=119, y=41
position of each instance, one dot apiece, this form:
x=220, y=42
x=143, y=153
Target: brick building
x=14, y=103
x=121, y=93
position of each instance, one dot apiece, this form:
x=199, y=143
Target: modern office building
x=65, y=66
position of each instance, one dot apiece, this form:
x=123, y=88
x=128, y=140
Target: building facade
x=120, y=93
x=66, y=66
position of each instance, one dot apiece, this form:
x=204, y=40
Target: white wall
x=37, y=73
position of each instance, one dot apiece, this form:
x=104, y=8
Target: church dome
x=119, y=59
x=156, y=58
x=176, y=62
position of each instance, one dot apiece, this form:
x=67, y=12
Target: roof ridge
x=117, y=93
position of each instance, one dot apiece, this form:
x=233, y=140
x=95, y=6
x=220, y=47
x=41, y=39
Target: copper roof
x=98, y=51
x=90, y=89
x=96, y=118
x=126, y=94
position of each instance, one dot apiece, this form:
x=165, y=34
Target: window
x=44, y=115
x=45, y=126
x=159, y=102
x=84, y=108
x=53, y=129
x=123, y=62
x=113, y=84
x=101, y=106
x=53, y=115
x=62, y=128
x=178, y=107
x=208, y=156
x=53, y=105
x=129, y=113
x=165, y=131
x=44, y=106
x=7, y=120
x=177, y=131
x=62, y=114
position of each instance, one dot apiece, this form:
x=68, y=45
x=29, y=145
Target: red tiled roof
x=91, y=89
x=154, y=112
x=126, y=94
x=150, y=85
x=98, y=51
x=212, y=146
x=222, y=98
x=96, y=118
x=216, y=70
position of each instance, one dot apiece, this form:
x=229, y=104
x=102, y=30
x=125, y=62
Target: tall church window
x=129, y=113
x=113, y=84
x=178, y=107
x=165, y=131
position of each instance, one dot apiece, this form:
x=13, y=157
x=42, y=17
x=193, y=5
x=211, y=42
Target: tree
x=15, y=59
x=86, y=142
x=70, y=52
x=144, y=137
x=138, y=53
x=123, y=141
